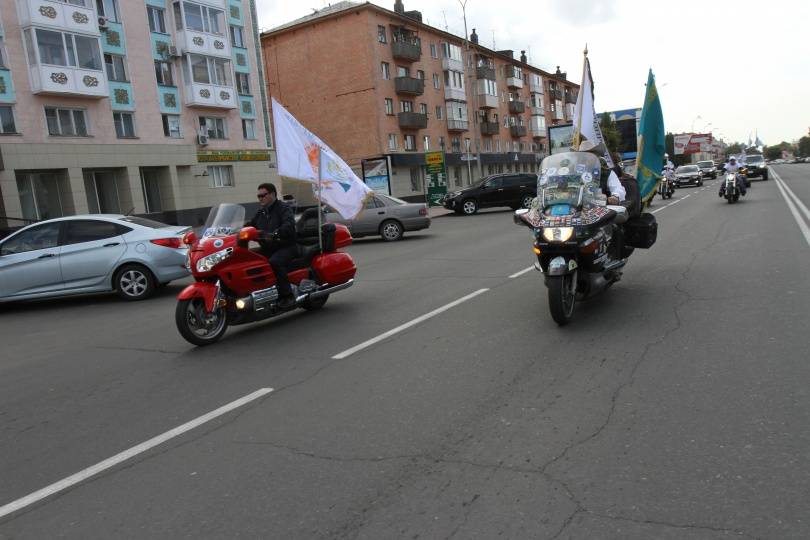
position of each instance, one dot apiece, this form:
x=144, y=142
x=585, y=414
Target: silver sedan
x=386, y=216
x=92, y=253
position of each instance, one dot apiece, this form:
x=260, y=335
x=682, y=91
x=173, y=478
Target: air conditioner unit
x=202, y=140
x=173, y=52
x=102, y=23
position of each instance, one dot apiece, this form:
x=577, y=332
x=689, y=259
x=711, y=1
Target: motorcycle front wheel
x=561, y=297
x=196, y=325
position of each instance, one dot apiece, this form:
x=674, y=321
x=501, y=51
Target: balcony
x=451, y=64
x=59, y=16
x=536, y=86
x=556, y=94
x=517, y=131
x=210, y=95
x=68, y=81
x=455, y=94
x=191, y=41
x=408, y=51
x=490, y=128
x=514, y=82
x=485, y=72
x=412, y=120
x=517, y=107
x=537, y=111
x=571, y=98
x=486, y=101
x=457, y=125
x=538, y=132
x=409, y=85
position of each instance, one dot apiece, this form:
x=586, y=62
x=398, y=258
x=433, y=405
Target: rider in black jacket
x=277, y=223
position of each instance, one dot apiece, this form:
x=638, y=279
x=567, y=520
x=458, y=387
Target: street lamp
x=473, y=86
x=698, y=117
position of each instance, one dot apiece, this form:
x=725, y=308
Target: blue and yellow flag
x=651, y=142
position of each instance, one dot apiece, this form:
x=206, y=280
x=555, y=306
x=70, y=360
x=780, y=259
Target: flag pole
x=320, y=204
x=578, y=131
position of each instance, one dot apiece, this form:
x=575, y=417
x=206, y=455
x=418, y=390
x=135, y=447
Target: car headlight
x=210, y=261
x=558, y=234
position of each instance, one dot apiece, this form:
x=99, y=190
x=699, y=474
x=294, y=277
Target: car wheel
x=469, y=206
x=526, y=201
x=764, y=176
x=700, y=183
x=391, y=230
x=134, y=282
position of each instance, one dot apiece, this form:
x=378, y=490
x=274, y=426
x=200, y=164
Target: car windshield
x=705, y=164
x=145, y=222
x=687, y=169
x=570, y=178
x=224, y=220
x=754, y=159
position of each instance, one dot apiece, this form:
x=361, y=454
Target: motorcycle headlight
x=207, y=263
x=558, y=234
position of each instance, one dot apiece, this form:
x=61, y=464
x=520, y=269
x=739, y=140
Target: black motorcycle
x=581, y=243
x=667, y=185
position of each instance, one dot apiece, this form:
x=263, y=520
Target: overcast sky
x=730, y=67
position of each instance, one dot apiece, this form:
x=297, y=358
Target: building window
x=58, y=49
x=171, y=126
x=452, y=51
x=116, y=67
x=237, y=37
x=423, y=108
x=203, y=19
x=410, y=143
x=426, y=142
x=487, y=145
x=467, y=145
x=455, y=145
x=403, y=71
x=433, y=52
x=389, y=106
x=213, y=127
x=457, y=176
x=108, y=9
x=420, y=74
x=441, y=143
x=163, y=73
x=243, y=83
x=40, y=195
x=7, y=124
x=124, y=125
x=439, y=112
x=416, y=178
x=381, y=34
x=392, y=141
x=406, y=106
x=157, y=21
x=249, y=129
x=386, y=70
x=208, y=70
x=436, y=83
x=220, y=175
x=150, y=186
x=66, y=122
x=2, y=53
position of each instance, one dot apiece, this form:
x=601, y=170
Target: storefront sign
x=210, y=156
x=436, y=172
x=376, y=176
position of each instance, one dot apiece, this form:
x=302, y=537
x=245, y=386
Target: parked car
x=386, y=216
x=91, y=253
x=688, y=174
x=756, y=166
x=707, y=168
x=515, y=190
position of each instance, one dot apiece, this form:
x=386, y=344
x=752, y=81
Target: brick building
x=375, y=83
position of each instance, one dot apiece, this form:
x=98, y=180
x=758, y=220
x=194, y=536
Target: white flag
x=303, y=156
x=586, y=123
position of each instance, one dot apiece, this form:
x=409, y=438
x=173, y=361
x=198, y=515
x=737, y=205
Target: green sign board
x=436, y=172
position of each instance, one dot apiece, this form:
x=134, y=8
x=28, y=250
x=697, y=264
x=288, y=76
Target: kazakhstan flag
x=651, y=142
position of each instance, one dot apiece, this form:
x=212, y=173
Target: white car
x=91, y=253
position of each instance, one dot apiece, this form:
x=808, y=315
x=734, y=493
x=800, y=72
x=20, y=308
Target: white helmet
x=666, y=156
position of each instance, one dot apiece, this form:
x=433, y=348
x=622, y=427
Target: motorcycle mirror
x=248, y=234
x=518, y=217
x=190, y=238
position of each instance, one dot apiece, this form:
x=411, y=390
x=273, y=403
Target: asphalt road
x=675, y=406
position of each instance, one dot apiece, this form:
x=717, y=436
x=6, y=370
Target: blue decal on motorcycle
x=580, y=168
x=560, y=210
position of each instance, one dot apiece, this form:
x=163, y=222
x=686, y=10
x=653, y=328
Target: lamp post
x=465, y=63
x=692, y=129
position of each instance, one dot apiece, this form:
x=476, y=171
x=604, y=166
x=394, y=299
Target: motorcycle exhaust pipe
x=325, y=291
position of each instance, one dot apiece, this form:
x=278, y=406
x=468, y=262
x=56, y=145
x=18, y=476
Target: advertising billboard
x=560, y=138
x=692, y=143
x=376, y=176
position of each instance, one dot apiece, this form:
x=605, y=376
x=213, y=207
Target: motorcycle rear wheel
x=198, y=327
x=562, y=297
x=312, y=305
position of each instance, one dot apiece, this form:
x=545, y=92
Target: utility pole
x=474, y=86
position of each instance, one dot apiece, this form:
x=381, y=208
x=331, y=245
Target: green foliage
x=612, y=136
x=804, y=146
x=772, y=152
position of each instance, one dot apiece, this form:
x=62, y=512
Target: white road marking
x=793, y=210
x=102, y=466
x=398, y=329
x=796, y=199
x=518, y=274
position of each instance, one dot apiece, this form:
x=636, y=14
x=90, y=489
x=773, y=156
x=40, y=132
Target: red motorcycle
x=236, y=285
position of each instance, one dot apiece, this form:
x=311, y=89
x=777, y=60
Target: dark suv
x=514, y=190
x=707, y=168
x=756, y=166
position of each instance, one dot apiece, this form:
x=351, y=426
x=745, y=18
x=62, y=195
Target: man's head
x=732, y=160
x=266, y=193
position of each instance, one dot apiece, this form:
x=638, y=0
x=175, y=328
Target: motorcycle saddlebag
x=641, y=232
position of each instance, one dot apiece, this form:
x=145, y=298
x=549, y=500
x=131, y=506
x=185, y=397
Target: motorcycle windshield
x=572, y=179
x=224, y=220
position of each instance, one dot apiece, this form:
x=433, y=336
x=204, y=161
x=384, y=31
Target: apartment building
x=145, y=106
x=380, y=84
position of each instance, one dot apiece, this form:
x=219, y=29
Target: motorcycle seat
x=305, y=255
x=632, y=199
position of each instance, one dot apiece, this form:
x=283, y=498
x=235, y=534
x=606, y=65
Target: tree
x=734, y=149
x=611, y=134
x=804, y=146
x=772, y=152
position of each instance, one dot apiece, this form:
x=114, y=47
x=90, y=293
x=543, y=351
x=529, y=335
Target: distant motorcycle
x=667, y=185
x=730, y=190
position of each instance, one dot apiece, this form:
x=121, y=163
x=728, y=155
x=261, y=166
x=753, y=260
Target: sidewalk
x=438, y=211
